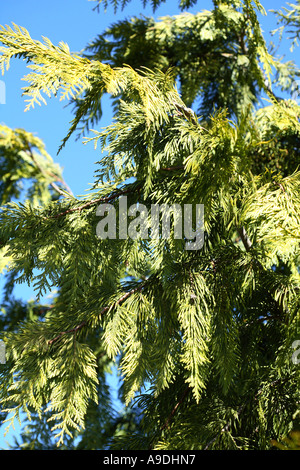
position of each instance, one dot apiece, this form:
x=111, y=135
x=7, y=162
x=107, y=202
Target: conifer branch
x=215, y=315
x=100, y=200
x=104, y=310
x=224, y=429
x=248, y=245
x=187, y=112
x=71, y=330
x=47, y=174
x=172, y=168
x=175, y=409
x=112, y=197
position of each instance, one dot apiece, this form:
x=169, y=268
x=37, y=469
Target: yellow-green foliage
x=211, y=330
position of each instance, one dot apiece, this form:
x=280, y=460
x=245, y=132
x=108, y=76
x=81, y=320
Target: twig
x=45, y=173
x=172, y=168
x=72, y=330
x=62, y=181
x=104, y=310
x=54, y=186
x=189, y=114
x=225, y=428
x=95, y=201
x=111, y=197
x=174, y=410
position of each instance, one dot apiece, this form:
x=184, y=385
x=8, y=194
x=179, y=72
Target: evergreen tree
x=205, y=339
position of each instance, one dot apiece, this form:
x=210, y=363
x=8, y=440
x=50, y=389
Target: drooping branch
x=103, y=310
x=248, y=245
x=112, y=197
x=226, y=427
x=175, y=409
x=99, y=200
x=46, y=174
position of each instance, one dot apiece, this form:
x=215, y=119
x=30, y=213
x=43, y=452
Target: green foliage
x=209, y=332
x=290, y=21
x=289, y=443
x=154, y=3
x=24, y=159
x=216, y=66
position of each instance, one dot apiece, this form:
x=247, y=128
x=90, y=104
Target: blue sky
x=74, y=22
